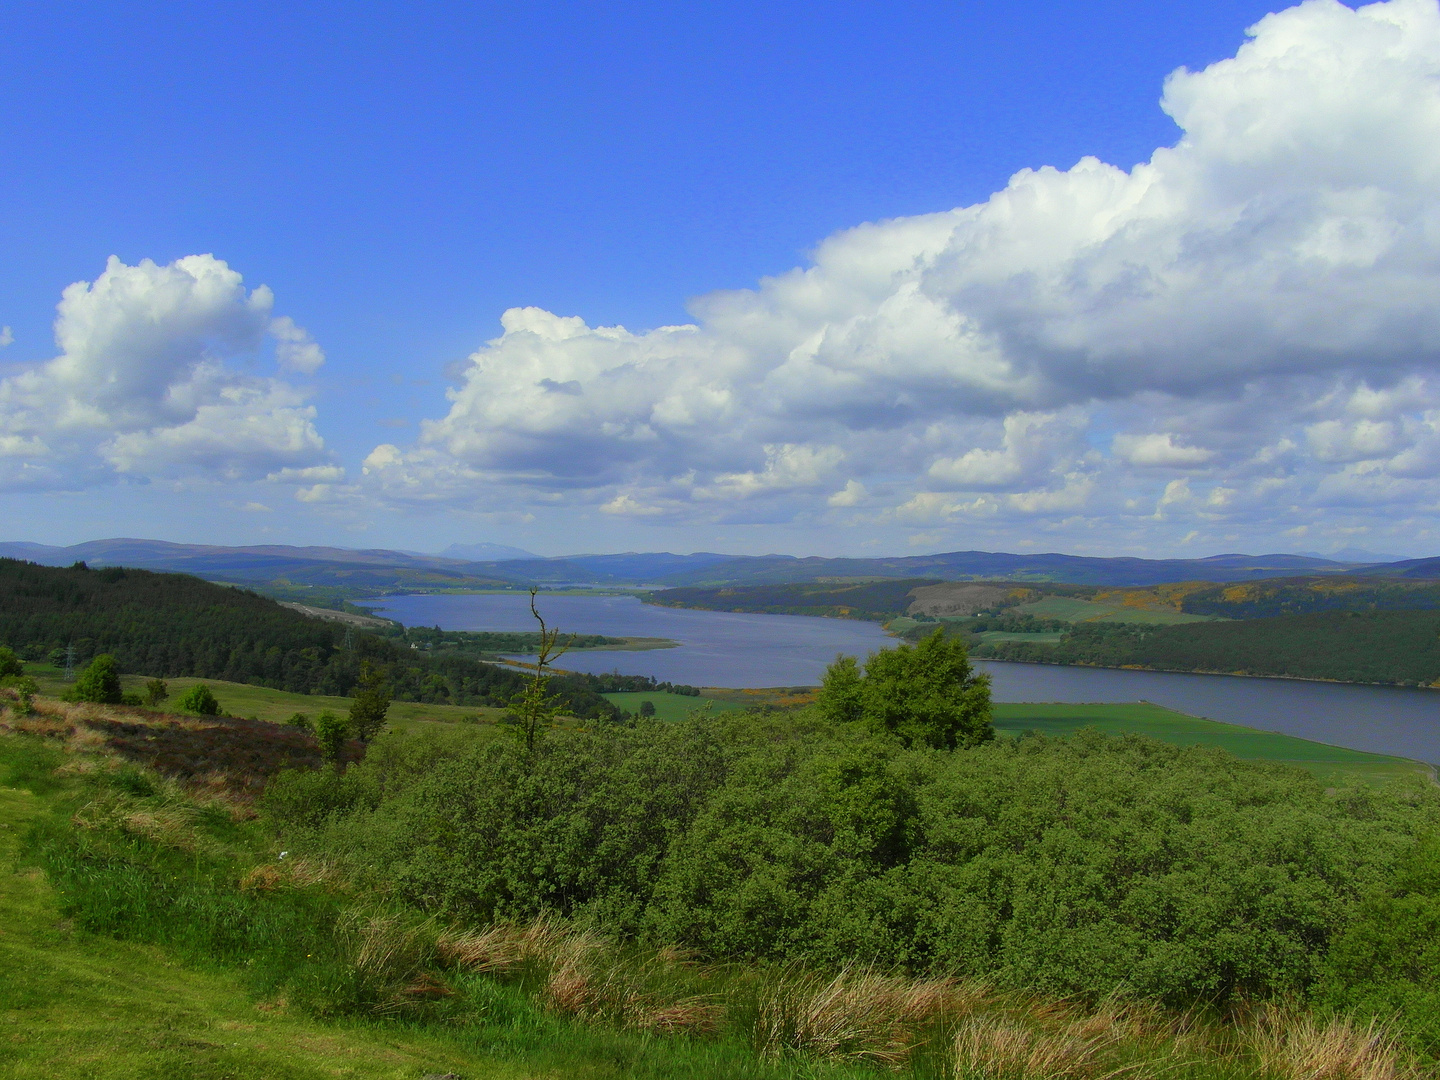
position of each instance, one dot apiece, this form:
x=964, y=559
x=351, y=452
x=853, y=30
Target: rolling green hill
x=177, y=625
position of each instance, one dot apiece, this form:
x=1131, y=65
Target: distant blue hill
x=485, y=552
x=372, y=571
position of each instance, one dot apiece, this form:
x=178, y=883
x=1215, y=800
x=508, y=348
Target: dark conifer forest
x=170, y=625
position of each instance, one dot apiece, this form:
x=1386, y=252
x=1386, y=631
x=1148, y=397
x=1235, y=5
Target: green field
x=1072, y=610
x=242, y=699
x=670, y=706
x=1143, y=718
x=991, y=636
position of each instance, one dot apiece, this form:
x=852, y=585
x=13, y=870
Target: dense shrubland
x=1077, y=866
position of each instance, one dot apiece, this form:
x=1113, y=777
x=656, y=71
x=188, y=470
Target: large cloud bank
x=1244, y=329
x=144, y=385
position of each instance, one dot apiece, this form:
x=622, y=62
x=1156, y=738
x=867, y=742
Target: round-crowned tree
x=100, y=682
x=925, y=694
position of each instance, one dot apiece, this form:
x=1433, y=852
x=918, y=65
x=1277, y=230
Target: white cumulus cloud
x=1158, y=450
x=1258, y=303
x=141, y=385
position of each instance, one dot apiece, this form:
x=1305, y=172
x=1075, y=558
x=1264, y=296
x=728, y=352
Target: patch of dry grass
x=857, y=1014
x=1294, y=1045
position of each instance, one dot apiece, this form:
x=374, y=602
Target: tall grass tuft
x=857, y=1014
x=998, y=1048
x=580, y=974
x=1294, y=1045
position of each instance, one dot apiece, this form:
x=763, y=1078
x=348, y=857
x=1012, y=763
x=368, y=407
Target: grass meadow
x=1073, y=610
x=670, y=706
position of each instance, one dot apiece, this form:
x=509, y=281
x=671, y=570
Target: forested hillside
x=874, y=600
x=176, y=625
x=1392, y=647
x=883, y=600
x=1299, y=596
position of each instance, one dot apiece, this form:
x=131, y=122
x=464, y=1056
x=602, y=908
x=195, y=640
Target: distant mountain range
x=360, y=573
x=486, y=552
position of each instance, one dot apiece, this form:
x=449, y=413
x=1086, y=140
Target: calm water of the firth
x=726, y=649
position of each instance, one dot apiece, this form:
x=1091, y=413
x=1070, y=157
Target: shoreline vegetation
x=1203, y=671
x=1354, y=630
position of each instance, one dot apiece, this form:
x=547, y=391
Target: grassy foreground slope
x=176, y=974
x=151, y=946
x=74, y=1006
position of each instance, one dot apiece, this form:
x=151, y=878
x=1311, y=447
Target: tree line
x=1390, y=647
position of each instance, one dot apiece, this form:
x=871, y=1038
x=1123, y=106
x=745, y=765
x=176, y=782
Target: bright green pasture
x=989, y=637
x=670, y=706
x=1143, y=718
x=242, y=699
x=1072, y=610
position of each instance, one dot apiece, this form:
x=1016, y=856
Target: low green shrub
x=200, y=699
x=333, y=732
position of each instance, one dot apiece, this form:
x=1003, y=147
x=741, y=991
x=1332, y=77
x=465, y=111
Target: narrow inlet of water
x=738, y=650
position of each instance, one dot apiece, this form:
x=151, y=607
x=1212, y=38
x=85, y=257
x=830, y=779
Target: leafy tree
x=100, y=682
x=10, y=663
x=839, y=698
x=156, y=691
x=925, y=694
x=301, y=721
x=647, y=708
x=372, y=702
x=200, y=699
x=333, y=732
x=928, y=694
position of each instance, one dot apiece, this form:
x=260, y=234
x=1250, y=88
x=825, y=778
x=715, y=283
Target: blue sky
x=397, y=177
